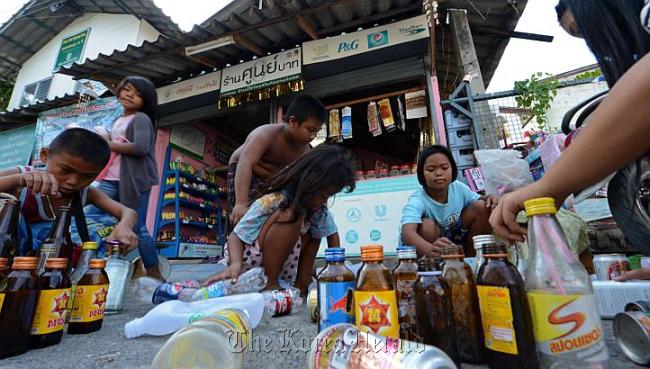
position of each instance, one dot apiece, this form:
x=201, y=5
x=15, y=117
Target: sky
x=521, y=59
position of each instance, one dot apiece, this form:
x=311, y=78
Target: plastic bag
x=503, y=170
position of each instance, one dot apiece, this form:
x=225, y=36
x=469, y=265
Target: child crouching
x=279, y=231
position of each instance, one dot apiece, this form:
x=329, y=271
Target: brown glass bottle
x=9, y=229
x=429, y=264
x=20, y=290
x=505, y=312
x=58, y=243
x=404, y=277
x=464, y=301
x=90, y=300
x=375, y=301
x=49, y=317
x=433, y=307
x=4, y=269
x=335, y=290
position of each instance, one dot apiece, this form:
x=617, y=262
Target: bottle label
x=281, y=304
x=167, y=292
x=333, y=303
x=48, y=248
x=50, y=312
x=376, y=312
x=567, y=328
x=89, y=303
x=496, y=313
x=2, y=300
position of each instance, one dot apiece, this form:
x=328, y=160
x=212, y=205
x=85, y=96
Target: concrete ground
x=278, y=343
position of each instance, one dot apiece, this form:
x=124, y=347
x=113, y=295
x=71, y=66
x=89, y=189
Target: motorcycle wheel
x=629, y=201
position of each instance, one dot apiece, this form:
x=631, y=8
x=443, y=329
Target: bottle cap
x=114, y=245
x=25, y=263
x=372, y=253
x=89, y=245
x=482, y=240
x=97, y=263
x=452, y=252
x=56, y=263
x=540, y=206
x=429, y=274
x=406, y=252
x=334, y=254
x=3, y=263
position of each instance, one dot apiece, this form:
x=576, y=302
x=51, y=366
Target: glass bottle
x=90, y=300
x=18, y=295
x=4, y=269
x=479, y=241
x=464, y=301
x=429, y=264
x=566, y=322
x=375, y=301
x=507, y=324
x=119, y=272
x=58, y=243
x=89, y=252
x=404, y=277
x=49, y=318
x=434, y=319
x=335, y=290
x=9, y=229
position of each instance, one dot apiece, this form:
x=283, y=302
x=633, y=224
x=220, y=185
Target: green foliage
x=5, y=95
x=536, y=95
x=590, y=75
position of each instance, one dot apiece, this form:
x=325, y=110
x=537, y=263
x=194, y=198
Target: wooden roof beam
x=244, y=42
x=307, y=26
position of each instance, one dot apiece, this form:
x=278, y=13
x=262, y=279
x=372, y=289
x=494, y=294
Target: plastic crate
x=463, y=157
x=455, y=120
x=463, y=137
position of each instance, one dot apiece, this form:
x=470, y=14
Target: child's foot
x=272, y=285
x=154, y=272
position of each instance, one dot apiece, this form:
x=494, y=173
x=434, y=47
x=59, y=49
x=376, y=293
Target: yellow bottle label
x=73, y=292
x=376, y=312
x=2, y=300
x=89, y=303
x=50, y=311
x=496, y=313
x=567, y=327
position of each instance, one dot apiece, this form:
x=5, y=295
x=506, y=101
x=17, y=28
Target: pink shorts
x=252, y=257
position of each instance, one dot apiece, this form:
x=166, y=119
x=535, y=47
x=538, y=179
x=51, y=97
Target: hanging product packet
x=346, y=123
x=400, y=114
x=374, y=127
x=335, y=125
x=386, y=113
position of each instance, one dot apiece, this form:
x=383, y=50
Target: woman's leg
x=146, y=245
x=475, y=218
x=277, y=243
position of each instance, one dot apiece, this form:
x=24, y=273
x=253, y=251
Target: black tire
x=629, y=210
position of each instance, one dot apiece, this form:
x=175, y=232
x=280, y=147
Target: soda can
x=312, y=304
x=641, y=305
x=644, y=262
x=610, y=266
x=166, y=292
x=632, y=332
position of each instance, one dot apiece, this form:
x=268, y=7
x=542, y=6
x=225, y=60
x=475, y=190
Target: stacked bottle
x=405, y=275
x=375, y=301
x=335, y=290
x=90, y=300
x=51, y=310
x=9, y=230
x=88, y=252
x=58, y=243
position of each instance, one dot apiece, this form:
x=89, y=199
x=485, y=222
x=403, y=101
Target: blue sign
x=352, y=236
x=353, y=215
x=377, y=39
x=380, y=211
x=375, y=235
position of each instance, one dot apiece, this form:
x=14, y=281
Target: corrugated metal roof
x=29, y=113
x=38, y=21
x=276, y=26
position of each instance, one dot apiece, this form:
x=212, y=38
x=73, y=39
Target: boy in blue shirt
x=444, y=211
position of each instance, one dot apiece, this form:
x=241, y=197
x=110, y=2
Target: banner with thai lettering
x=263, y=72
x=192, y=87
x=89, y=115
x=333, y=48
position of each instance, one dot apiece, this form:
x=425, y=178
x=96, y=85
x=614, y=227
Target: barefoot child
x=444, y=210
x=74, y=159
x=281, y=229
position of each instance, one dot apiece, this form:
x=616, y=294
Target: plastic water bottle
x=171, y=316
x=253, y=280
x=282, y=302
x=152, y=290
x=145, y=287
x=217, y=340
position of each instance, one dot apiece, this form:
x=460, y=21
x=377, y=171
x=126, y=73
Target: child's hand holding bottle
x=232, y=271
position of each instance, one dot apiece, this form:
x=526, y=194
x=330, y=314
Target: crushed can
x=632, y=332
x=312, y=304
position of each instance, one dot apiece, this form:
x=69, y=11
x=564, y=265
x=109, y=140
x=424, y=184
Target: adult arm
x=128, y=218
x=615, y=135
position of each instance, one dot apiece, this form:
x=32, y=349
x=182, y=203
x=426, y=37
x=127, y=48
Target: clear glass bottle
x=119, y=272
x=404, y=277
x=567, y=325
x=479, y=241
x=464, y=301
x=335, y=290
x=375, y=301
x=507, y=324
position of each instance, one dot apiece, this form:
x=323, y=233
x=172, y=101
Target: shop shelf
x=189, y=204
x=187, y=223
x=172, y=173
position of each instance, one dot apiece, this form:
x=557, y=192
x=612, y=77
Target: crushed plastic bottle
x=253, y=280
x=174, y=291
x=282, y=302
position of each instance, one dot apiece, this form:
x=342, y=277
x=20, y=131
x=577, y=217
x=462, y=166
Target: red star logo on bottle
x=375, y=314
x=100, y=297
x=61, y=303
